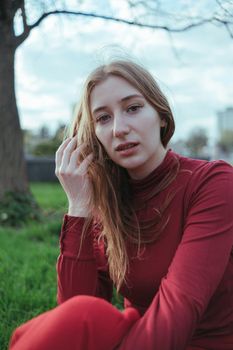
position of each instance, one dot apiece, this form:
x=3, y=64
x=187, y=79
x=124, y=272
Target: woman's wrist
x=77, y=211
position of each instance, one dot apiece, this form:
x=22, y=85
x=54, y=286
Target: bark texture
x=12, y=162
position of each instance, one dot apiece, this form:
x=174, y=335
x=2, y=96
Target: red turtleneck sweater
x=181, y=284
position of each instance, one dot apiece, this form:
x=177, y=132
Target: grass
x=27, y=263
x=50, y=196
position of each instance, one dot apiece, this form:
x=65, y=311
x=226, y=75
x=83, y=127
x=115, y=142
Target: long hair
x=110, y=199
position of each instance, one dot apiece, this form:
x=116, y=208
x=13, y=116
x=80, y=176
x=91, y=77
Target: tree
x=44, y=132
x=48, y=146
x=12, y=169
x=196, y=142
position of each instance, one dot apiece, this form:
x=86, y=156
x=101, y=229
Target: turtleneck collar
x=143, y=186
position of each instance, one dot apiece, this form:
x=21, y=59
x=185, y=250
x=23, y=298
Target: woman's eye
x=102, y=118
x=133, y=108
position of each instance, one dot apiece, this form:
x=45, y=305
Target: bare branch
x=24, y=17
x=174, y=50
x=222, y=17
x=121, y=20
x=229, y=30
x=26, y=29
x=223, y=8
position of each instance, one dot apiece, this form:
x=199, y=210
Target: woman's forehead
x=112, y=89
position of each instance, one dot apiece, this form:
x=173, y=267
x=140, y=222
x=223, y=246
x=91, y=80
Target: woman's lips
x=126, y=145
x=127, y=150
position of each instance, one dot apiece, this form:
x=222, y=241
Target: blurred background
x=192, y=59
x=47, y=48
x=187, y=45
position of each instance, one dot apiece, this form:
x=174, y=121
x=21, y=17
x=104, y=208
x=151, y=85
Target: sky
x=194, y=68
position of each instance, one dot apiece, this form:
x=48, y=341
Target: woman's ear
x=163, y=123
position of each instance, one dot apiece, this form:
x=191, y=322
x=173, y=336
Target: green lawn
x=27, y=263
x=50, y=196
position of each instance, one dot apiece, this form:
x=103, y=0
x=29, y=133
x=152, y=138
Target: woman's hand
x=73, y=177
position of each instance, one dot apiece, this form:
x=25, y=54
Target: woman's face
x=127, y=126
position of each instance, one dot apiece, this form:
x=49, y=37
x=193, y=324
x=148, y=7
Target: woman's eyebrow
x=122, y=100
x=99, y=109
x=131, y=96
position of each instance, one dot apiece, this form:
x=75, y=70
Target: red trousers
x=81, y=323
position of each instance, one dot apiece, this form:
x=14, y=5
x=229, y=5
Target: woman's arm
x=197, y=267
x=84, y=272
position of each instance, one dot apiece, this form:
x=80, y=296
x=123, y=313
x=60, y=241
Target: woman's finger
x=67, y=152
x=75, y=156
x=59, y=152
x=85, y=164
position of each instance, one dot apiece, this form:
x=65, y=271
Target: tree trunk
x=12, y=164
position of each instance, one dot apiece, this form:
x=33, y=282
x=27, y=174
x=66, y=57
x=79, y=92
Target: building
x=224, y=146
x=225, y=120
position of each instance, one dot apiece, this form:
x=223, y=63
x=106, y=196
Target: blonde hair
x=111, y=197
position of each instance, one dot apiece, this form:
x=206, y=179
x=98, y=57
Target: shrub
x=17, y=208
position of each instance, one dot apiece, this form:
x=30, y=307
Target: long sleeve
x=197, y=267
x=84, y=272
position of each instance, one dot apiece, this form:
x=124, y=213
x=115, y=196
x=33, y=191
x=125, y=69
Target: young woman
x=156, y=225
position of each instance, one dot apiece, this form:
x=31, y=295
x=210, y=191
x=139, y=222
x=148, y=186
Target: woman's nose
x=120, y=127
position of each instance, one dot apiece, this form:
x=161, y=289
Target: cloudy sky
x=193, y=68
